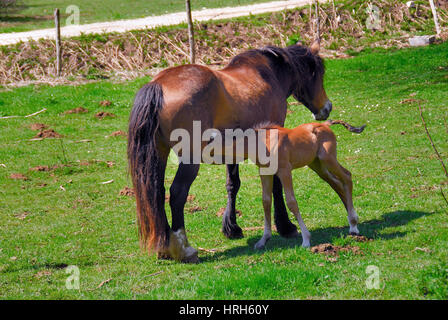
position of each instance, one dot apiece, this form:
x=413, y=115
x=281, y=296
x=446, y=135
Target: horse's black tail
x=346, y=125
x=147, y=167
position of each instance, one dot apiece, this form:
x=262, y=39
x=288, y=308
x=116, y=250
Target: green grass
x=396, y=193
x=38, y=14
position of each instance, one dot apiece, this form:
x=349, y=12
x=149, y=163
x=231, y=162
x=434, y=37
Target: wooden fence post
x=434, y=13
x=58, y=42
x=190, y=32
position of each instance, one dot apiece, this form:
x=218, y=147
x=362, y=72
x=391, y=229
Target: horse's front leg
x=286, y=179
x=229, y=226
x=284, y=226
x=179, y=248
x=266, y=182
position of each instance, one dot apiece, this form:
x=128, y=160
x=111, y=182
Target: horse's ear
x=315, y=47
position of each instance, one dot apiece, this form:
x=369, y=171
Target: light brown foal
x=312, y=145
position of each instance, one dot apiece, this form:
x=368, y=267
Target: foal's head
x=309, y=86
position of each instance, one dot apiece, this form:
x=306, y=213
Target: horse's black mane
x=295, y=61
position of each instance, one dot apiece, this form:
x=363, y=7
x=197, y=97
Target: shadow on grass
x=372, y=229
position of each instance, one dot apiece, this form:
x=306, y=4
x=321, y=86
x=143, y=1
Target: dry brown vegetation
x=342, y=28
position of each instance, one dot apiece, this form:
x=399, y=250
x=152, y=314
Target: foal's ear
x=315, y=47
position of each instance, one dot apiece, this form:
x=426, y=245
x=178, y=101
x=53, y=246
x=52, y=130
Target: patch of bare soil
x=105, y=103
x=38, y=126
x=76, y=110
x=102, y=114
x=118, y=133
x=23, y=215
x=48, y=133
x=190, y=198
x=221, y=211
x=195, y=209
x=329, y=249
x=411, y=101
x=359, y=238
x=18, y=176
x=43, y=273
x=40, y=168
x=126, y=191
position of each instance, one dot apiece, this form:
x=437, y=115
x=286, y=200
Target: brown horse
x=253, y=88
x=312, y=145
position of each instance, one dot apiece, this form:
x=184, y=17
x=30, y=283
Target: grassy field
x=66, y=216
x=38, y=14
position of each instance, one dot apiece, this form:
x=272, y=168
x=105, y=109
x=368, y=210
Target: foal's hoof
x=232, y=231
x=260, y=245
x=354, y=231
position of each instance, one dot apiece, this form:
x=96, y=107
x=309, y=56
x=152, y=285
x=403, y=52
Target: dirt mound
x=359, y=238
x=101, y=115
x=38, y=126
x=190, y=198
x=18, y=176
x=221, y=211
x=126, y=191
x=329, y=249
x=105, y=103
x=49, y=133
x=118, y=133
x=76, y=110
x=195, y=209
x=41, y=168
x=412, y=101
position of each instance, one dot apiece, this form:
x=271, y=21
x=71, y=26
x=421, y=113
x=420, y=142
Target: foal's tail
x=346, y=125
x=147, y=167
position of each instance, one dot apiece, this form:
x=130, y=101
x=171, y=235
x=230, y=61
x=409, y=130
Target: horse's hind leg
x=266, y=182
x=229, y=226
x=339, y=178
x=179, y=247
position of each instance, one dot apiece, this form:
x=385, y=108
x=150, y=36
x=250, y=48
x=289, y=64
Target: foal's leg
x=179, y=247
x=339, y=178
x=286, y=179
x=266, y=182
x=284, y=226
x=229, y=226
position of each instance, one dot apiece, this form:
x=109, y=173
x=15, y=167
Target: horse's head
x=309, y=87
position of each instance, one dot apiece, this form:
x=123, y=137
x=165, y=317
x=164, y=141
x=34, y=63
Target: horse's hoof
x=354, y=231
x=233, y=232
x=259, y=245
x=289, y=232
x=306, y=244
x=292, y=235
x=192, y=256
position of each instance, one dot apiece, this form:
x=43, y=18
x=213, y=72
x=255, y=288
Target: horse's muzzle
x=324, y=113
